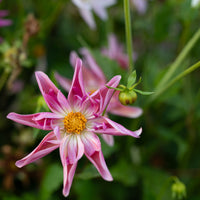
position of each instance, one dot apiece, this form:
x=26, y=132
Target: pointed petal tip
x=138, y=132
x=18, y=164
x=65, y=193
x=10, y=115
x=108, y=178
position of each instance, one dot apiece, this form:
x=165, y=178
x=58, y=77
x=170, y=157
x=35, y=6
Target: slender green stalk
x=174, y=80
x=128, y=34
x=179, y=59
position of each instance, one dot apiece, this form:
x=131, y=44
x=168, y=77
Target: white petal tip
x=18, y=164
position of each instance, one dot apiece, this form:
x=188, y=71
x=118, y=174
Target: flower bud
x=178, y=190
x=127, y=97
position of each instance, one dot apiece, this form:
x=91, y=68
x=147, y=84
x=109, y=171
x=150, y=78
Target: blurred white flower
x=195, y=3
x=86, y=6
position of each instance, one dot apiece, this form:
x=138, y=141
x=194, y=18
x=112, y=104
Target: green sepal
x=131, y=79
x=119, y=89
x=143, y=92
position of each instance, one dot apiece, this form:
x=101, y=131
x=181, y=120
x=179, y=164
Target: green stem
x=128, y=34
x=174, y=80
x=104, y=112
x=179, y=59
x=3, y=78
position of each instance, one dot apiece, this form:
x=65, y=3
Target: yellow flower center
x=75, y=122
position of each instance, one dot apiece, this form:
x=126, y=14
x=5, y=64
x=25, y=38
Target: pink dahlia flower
x=74, y=123
x=4, y=22
x=99, y=7
x=95, y=80
x=115, y=51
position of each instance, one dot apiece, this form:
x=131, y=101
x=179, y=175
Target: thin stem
x=179, y=59
x=174, y=80
x=128, y=34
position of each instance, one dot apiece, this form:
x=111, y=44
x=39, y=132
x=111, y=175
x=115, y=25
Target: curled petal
x=44, y=121
x=108, y=139
x=92, y=65
x=93, y=152
x=98, y=161
x=112, y=128
x=68, y=172
x=64, y=82
x=77, y=88
x=91, y=143
x=71, y=150
x=117, y=108
x=55, y=100
x=47, y=145
x=104, y=94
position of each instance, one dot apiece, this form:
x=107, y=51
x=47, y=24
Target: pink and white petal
x=112, y=128
x=44, y=121
x=73, y=57
x=68, y=175
x=98, y=161
x=47, y=145
x=71, y=149
x=50, y=93
x=109, y=139
x=117, y=108
x=77, y=88
x=104, y=94
x=88, y=17
x=92, y=65
x=91, y=142
x=64, y=82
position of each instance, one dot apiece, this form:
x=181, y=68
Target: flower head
x=99, y=7
x=4, y=22
x=95, y=80
x=74, y=123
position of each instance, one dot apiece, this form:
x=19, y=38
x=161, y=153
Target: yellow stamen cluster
x=75, y=122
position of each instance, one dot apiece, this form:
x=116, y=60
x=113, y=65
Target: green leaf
x=51, y=181
x=88, y=173
x=131, y=79
x=143, y=92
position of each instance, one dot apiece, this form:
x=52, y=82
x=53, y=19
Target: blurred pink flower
x=140, y=5
x=99, y=7
x=115, y=51
x=95, y=80
x=4, y=22
x=74, y=123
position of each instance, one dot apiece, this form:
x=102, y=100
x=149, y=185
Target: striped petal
x=47, y=145
x=77, y=88
x=71, y=150
x=112, y=128
x=93, y=152
x=44, y=121
x=55, y=100
x=104, y=94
